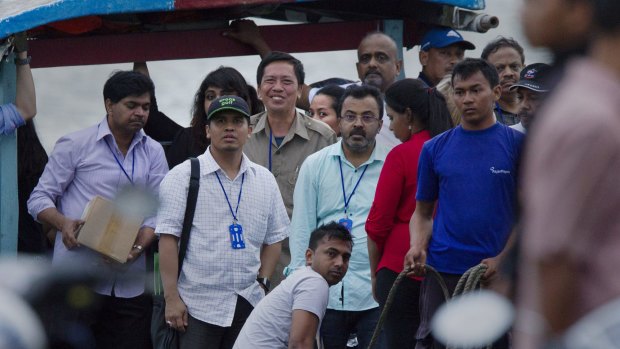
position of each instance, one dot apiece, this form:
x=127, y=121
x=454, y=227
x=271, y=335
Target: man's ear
x=423, y=56
x=309, y=255
x=108, y=105
x=207, y=131
x=399, y=66
x=497, y=92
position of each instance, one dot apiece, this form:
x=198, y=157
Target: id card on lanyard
x=235, y=229
x=346, y=221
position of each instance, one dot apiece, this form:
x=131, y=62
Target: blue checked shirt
x=318, y=199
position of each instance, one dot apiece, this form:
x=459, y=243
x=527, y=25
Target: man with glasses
x=338, y=184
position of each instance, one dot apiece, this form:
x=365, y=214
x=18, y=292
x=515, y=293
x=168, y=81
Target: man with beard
x=440, y=50
x=531, y=89
x=338, y=184
x=378, y=65
x=507, y=56
x=99, y=161
x=473, y=223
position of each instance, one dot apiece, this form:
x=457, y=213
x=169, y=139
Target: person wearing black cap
x=531, y=89
x=440, y=50
x=235, y=239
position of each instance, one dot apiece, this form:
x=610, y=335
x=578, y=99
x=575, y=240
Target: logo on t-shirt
x=494, y=171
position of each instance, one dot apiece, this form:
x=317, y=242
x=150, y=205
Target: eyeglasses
x=366, y=118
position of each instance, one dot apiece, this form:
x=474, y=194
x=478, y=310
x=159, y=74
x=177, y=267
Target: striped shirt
x=213, y=273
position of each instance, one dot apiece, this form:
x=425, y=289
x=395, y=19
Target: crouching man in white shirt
x=290, y=316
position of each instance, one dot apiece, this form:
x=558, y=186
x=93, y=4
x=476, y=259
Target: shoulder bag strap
x=190, y=208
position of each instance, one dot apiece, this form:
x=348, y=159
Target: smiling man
x=338, y=184
x=289, y=317
x=100, y=160
x=284, y=137
x=471, y=170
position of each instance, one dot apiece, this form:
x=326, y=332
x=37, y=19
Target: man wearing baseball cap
x=441, y=49
x=235, y=238
x=531, y=89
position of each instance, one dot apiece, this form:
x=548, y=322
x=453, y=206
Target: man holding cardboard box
x=100, y=161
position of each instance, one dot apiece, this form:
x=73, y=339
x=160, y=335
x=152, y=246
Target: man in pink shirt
x=571, y=224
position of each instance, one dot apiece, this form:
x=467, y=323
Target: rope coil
x=470, y=281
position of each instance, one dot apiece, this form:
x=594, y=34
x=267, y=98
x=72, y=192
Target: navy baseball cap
x=533, y=77
x=443, y=37
x=234, y=103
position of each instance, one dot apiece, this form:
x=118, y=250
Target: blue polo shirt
x=473, y=176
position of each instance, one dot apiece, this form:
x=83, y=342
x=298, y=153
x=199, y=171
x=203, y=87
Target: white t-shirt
x=385, y=136
x=519, y=127
x=269, y=325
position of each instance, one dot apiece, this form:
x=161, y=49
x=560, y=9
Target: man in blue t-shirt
x=470, y=172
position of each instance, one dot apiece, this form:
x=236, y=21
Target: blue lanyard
x=133, y=161
x=234, y=214
x=344, y=193
x=269, y=146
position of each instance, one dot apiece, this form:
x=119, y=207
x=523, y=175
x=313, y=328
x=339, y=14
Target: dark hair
x=335, y=92
x=607, y=15
x=500, y=42
x=332, y=230
x=361, y=92
x=276, y=56
x=125, y=83
x=228, y=79
x=470, y=66
x=426, y=104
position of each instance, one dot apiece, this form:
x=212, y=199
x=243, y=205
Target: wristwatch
x=265, y=282
x=22, y=61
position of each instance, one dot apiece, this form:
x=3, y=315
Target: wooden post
x=9, y=209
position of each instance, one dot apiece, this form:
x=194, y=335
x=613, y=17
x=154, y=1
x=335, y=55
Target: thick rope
x=467, y=283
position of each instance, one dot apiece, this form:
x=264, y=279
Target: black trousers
x=431, y=298
x=403, y=317
x=123, y=322
x=199, y=334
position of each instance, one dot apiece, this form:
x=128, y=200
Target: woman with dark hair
x=417, y=114
x=324, y=106
x=181, y=143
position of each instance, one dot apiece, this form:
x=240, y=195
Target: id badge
x=236, y=236
x=347, y=223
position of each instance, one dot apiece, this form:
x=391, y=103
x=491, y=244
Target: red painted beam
x=122, y=48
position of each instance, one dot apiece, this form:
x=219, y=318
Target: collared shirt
x=9, y=118
x=213, y=273
x=505, y=117
x=82, y=166
x=306, y=136
x=319, y=200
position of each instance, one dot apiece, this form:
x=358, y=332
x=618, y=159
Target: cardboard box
x=107, y=230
